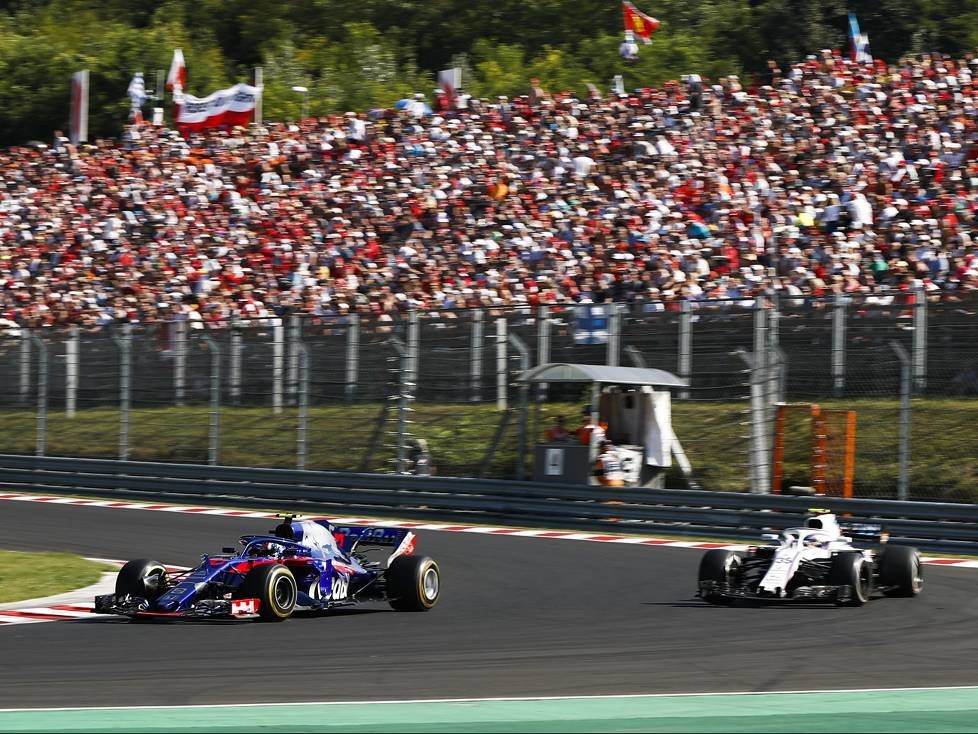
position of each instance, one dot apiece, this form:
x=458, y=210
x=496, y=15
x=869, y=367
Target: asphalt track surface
x=518, y=617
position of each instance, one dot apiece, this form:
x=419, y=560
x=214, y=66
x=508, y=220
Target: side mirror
x=227, y=549
x=770, y=536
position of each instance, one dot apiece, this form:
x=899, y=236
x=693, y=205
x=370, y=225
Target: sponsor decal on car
x=244, y=607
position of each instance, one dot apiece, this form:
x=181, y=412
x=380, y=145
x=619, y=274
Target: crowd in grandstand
x=825, y=177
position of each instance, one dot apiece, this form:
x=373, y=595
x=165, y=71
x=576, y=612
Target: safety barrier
x=940, y=527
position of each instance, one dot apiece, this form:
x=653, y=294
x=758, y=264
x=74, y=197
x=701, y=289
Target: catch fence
x=364, y=394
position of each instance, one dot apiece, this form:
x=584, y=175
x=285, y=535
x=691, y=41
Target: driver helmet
x=273, y=550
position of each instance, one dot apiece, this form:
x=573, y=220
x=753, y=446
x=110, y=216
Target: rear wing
x=864, y=532
x=400, y=540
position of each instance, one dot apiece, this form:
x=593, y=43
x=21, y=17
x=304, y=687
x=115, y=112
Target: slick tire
x=273, y=585
x=853, y=570
x=413, y=583
x=900, y=569
x=721, y=566
x=143, y=578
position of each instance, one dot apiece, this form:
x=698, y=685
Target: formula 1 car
x=303, y=565
x=818, y=562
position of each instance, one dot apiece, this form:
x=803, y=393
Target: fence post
x=476, y=347
x=302, y=431
x=685, y=344
x=501, y=364
x=757, y=363
x=278, y=364
x=124, y=343
x=236, y=361
x=919, y=339
x=42, y=393
x=409, y=387
x=352, y=356
x=903, y=480
x=543, y=347
x=71, y=371
x=774, y=320
x=780, y=375
x=25, y=364
x=403, y=400
x=214, y=419
x=180, y=360
x=292, y=375
x=413, y=349
x=760, y=334
x=838, y=345
x=615, y=318
x=524, y=392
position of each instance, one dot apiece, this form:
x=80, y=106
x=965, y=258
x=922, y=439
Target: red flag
x=639, y=23
x=177, y=77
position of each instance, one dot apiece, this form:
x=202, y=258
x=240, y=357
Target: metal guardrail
x=940, y=527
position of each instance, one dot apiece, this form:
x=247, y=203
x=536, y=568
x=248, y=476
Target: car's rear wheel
x=719, y=567
x=143, y=578
x=901, y=571
x=273, y=585
x=853, y=570
x=413, y=583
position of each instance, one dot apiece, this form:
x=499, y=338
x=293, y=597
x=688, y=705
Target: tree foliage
x=358, y=54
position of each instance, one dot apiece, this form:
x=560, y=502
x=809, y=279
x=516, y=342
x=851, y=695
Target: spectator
x=558, y=432
x=831, y=177
x=608, y=467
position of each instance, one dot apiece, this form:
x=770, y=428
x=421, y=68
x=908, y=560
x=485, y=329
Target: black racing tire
x=274, y=586
x=900, y=570
x=721, y=566
x=143, y=578
x=413, y=583
x=850, y=568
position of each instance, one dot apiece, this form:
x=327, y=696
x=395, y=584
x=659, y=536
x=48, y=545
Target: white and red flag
x=78, y=128
x=449, y=80
x=642, y=25
x=226, y=108
x=176, y=79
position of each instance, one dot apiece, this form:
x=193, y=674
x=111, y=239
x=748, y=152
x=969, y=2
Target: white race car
x=818, y=562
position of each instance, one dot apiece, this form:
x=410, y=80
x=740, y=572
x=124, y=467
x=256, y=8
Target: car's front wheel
x=853, y=570
x=142, y=578
x=273, y=585
x=413, y=583
x=718, y=567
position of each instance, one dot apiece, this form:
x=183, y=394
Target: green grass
x=33, y=575
x=944, y=463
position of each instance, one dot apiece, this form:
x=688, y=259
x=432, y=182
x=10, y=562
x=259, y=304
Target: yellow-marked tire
x=413, y=583
x=275, y=588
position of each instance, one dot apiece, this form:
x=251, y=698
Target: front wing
x=134, y=607
x=817, y=593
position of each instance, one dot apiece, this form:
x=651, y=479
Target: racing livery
x=302, y=565
x=817, y=562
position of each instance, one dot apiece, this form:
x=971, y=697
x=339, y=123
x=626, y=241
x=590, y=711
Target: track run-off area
x=519, y=618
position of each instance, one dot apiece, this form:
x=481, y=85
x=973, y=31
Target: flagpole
x=260, y=86
x=158, y=101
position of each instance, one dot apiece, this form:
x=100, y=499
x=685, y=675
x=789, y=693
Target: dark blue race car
x=302, y=565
